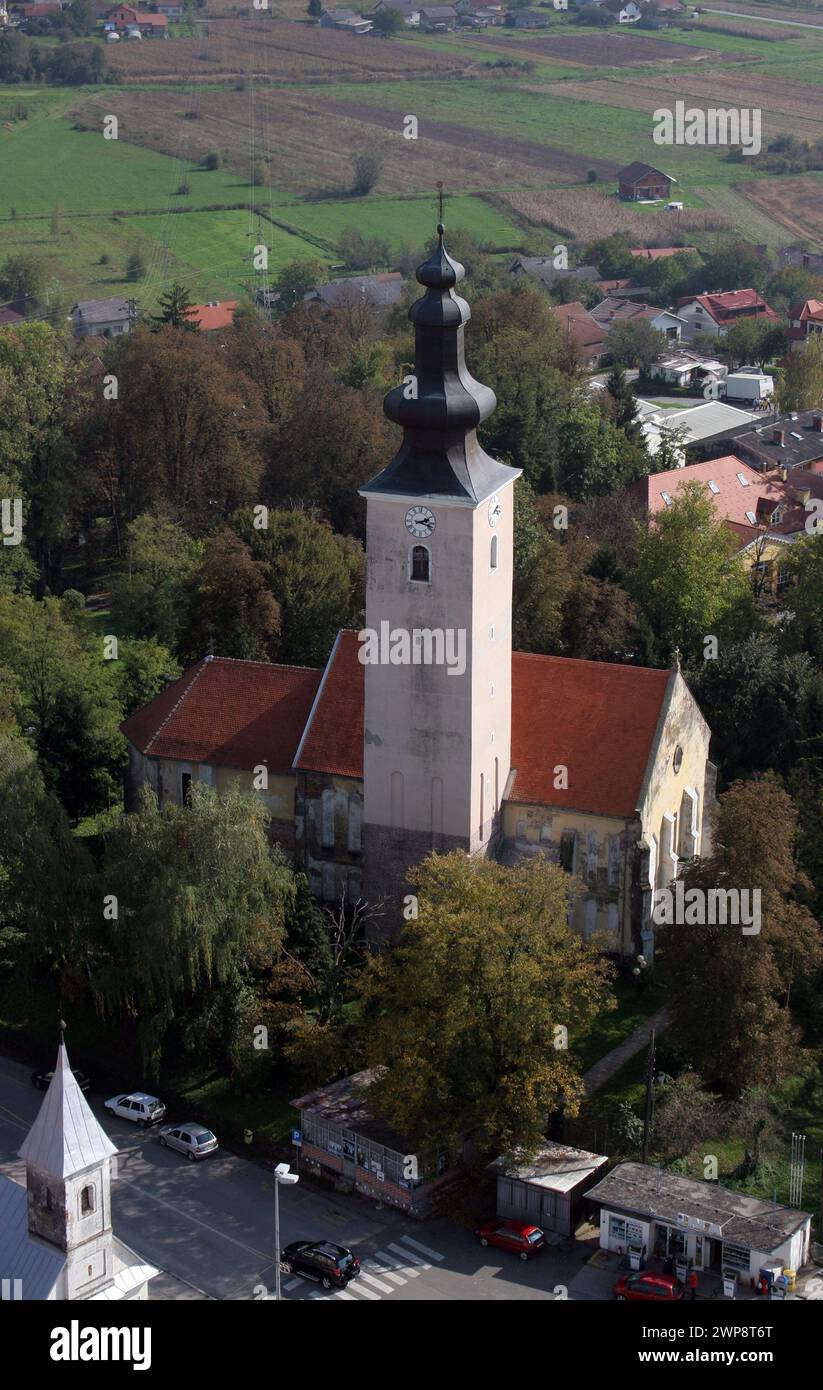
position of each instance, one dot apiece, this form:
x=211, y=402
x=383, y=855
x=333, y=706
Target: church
x=56, y=1237
x=425, y=732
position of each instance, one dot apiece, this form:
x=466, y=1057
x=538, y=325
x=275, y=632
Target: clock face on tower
x=420, y=522
x=495, y=510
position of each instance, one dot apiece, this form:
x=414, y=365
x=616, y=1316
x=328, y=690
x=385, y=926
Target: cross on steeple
x=440, y=227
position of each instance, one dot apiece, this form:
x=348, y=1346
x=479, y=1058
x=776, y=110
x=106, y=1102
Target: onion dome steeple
x=441, y=407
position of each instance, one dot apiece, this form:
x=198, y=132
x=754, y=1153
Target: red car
x=521, y=1237
x=655, y=1288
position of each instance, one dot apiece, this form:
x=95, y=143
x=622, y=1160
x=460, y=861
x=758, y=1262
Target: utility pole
x=648, y=1118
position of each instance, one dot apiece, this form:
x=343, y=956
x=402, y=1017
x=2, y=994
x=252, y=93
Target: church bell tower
x=437, y=648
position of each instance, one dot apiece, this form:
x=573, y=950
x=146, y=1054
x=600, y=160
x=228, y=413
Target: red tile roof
x=581, y=328
x=598, y=719
x=334, y=736
x=730, y=305
x=759, y=494
x=208, y=317
x=229, y=714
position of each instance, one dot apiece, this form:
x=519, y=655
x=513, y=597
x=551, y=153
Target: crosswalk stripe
x=397, y=1264
x=376, y=1283
x=292, y=1284
x=410, y=1255
x=341, y=1293
x=365, y=1293
x=386, y=1273
x=424, y=1249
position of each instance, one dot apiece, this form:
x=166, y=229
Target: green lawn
x=403, y=221
x=634, y=1006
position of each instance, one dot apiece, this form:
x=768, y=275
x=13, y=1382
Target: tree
x=22, y=277
x=297, y=278
x=467, y=1013
x=800, y=387
x=541, y=580
x=736, y=265
x=804, y=565
x=636, y=344
x=136, y=268
x=612, y=255
x=752, y=340
x=729, y=993
x=176, y=310
x=624, y=401
x=149, y=598
x=201, y=895
x=368, y=166
x=314, y=8
x=232, y=611
x=212, y=161
x=309, y=574
x=686, y=1116
x=388, y=22
x=688, y=578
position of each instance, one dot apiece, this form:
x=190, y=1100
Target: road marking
x=365, y=1293
x=376, y=1283
x=341, y=1293
x=387, y=1274
x=409, y=1254
x=293, y=1283
x=424, y=1249
x=397, y=1264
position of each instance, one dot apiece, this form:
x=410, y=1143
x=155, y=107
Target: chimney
x=778, y=437
x=817, y=423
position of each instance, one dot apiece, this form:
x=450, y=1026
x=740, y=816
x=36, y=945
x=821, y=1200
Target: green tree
x=232, y=611
x=688, y=578
x=175, y=310
x=201, y=895
x=22, y=277
x=728, y=993
x=464, y=1013
x=368, y=166
x=752, y=340
x=388, y=22
x=136, y=268
x=149, y=597
x=800, y=386
x=297, y=278
x=212, y=161
x=636, y=344
x=804, y=564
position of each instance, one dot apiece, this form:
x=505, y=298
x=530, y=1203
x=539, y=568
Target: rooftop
x=637, y=170
x=383, y=290
x=557, y=1168
x=65, y=1138
x=209, y=317
x=728, y=305
x=801, y=443
x=100, y=310
x=636, y=1187
x=745, y=498
x=344, y=1104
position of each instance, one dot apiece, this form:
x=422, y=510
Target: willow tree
x=472, y=1013
x=199, y=894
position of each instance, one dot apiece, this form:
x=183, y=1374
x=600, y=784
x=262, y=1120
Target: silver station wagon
x=193, y=1140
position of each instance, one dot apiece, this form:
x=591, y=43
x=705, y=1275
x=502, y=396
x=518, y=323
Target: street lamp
x=282, y=1174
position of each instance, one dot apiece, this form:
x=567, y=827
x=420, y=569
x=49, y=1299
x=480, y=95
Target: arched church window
x=86, y=1200
x=493, y=553
x=420, y=564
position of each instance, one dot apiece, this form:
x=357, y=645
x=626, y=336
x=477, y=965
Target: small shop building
x=549, y=1189
x=708, y=1226
x=341, y=1141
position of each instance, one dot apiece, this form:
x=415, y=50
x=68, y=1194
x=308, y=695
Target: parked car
x=42, y=1079
x=192, y=1139
x=657, y=1288
x=138, y=1107
x=521, y=1237
x=333, y=1266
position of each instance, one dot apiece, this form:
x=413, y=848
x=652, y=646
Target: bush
x=184, y=188
x=135, y=266
x=212, y=160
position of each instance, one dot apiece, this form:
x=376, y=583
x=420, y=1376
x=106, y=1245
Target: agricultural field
x=526, y=131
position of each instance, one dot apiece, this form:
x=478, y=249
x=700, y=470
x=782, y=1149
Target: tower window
x=86, y=1200
x=420, y=564
x=493, y=553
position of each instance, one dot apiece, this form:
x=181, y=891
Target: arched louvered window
x=420, y=564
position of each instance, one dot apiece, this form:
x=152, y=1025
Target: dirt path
x=603, y=1071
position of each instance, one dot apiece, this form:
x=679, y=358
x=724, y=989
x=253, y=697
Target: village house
x=373, y=762
x=438, y=18
x=641, y=183
x=764, y=511
x=787, y=441
x=345, y=1144
x=587, y=335
x=44, y=9
x=408, y=8
x=705, y=1225
x=805, y=321
x=799, y=258
x=214, y=317
x=381, y=291
x=624, y=11
x=543, y=269
x=171, y=11
x=107, y=318
x=150, y=24
x=530, y=19
x=688, y=370
x=712, y=315
x=56, y=1237
x=617, y=309
x=696, y=431
x=348, y=20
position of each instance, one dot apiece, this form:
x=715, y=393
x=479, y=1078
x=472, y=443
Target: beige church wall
x=329, y=835
x=685, y=728
x=428, y=732
x=278, y=796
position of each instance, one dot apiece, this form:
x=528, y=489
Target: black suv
x=331, y=1265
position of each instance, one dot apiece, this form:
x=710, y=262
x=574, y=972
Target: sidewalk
x=606, y=1068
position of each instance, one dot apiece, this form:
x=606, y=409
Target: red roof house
x=213, y=316
x=714, y=314
x=582, y=330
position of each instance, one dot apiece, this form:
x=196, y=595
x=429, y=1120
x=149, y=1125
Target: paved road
x=208, y=1226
